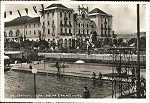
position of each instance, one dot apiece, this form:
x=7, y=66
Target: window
x=105, y=23
x=79, y=25
x=69, y=15
x=65, y=30
x=34, y=32
x=53, y=32
x=61, y=30
x=60, y=14
x=17, y=33
x=87, y=25
x=11, y=33
x=47, y=22
x=43, y=23
x=53, y=22
x=83, y=15
x=69, y=31
x=61, y=22
x=92, y=26
x=47, y=15
x=65, y=14
x=87, y=31
x=65, y=22
x=53, y=13
x=29, y=25
x=101, y=26
x=70, y=23
x=102, y=33
x=53, y=25
x=79, y=31
x=48, y=31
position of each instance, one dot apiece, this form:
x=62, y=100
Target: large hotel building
x=61, y=25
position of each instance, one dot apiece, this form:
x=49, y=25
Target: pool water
x=21, y=85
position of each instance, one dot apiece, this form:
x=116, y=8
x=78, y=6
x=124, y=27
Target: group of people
x=94, y=77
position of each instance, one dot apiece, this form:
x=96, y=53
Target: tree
x=43, y=44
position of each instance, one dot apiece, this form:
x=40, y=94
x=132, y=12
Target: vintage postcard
x=78, y=50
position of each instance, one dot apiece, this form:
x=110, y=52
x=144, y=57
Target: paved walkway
x=82, y=70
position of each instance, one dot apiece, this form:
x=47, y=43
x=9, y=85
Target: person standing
x=30, y=67
x=94, y=78
x=58, y=69
x=100, y=75
x=86, y=93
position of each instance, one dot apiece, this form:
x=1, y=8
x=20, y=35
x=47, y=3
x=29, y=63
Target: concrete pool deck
x=73, y=69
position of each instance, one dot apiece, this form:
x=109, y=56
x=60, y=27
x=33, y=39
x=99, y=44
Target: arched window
x=83, y=15
x=17, y=33
x=10, y=33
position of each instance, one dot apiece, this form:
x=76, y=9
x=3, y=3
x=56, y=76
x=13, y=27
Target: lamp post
x=34, y=71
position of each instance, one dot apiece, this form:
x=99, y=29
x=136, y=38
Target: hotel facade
x=60, y=25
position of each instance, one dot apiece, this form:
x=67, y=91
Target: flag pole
x=138, y=53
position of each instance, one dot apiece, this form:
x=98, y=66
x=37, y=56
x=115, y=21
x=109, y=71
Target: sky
x=124, y=15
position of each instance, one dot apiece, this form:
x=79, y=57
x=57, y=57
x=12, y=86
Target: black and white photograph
x=74, y=50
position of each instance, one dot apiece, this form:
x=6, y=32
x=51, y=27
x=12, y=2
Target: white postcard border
x=100, y=100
